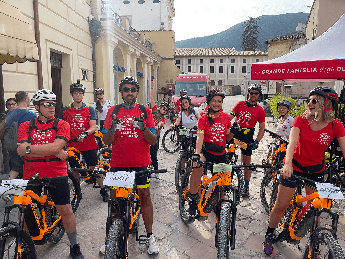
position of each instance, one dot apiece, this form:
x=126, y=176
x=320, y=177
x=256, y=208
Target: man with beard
x=130, y=128
x=82, y=120
x=247, y=114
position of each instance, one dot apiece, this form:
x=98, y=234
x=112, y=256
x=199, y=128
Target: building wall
x=146, y=16
x=218, y=78
x=63, y=29
x=279, y=48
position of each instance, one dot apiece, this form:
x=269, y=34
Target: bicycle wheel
x=184, y=198
x=178, y=171
x=266, y=188
x=75, y=191
x=52, y=215
x=104, y=155
x=223, y=231
x=8, y=244
x=231, y=158
x=170, y=141
x=323, y=245
x=237, y=180
x=116, y=241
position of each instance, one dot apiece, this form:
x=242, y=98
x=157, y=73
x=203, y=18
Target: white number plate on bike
x=184, y=132
x=222, y=167
x=329, y=191
x=14, y=186
x=120, y=179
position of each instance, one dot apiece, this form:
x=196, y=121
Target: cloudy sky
x=197, y=18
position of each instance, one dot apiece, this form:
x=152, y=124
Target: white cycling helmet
x=43, y=95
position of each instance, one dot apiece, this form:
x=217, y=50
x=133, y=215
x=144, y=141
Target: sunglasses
x=11, y=104
x=126, y=89
x=165, y=108
x=313, y=101
x=98, y=93
x=77, y=92
x=48, y=104
x=255, y=93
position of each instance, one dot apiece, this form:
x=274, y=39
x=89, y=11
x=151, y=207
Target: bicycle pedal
x=142, y=239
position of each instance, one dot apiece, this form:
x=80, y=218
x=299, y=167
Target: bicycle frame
x=281, y=148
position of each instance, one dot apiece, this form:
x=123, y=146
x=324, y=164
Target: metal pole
x=37, y=37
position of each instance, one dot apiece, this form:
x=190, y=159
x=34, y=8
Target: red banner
x=319, y=69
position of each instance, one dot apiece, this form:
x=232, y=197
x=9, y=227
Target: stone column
x=109, y=70
x=128, y=52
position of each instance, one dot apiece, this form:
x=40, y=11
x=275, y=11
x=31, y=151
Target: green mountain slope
x=270, y=26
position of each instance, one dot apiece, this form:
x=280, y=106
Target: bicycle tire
x=266, y=188
x=184, y=200
x=52, y=215
x=104, y=155
x=8, y=245
x=115, y=241
x=223, y=231
x=75, y=191
x=323, y=243
x=178, y=171
x=170, y=142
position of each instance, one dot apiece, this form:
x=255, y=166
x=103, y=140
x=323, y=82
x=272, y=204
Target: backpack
x=141, y=107
x=32, y=126
x=11, y=134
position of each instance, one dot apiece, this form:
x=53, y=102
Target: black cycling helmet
x=129, y=80
x=213, y=93
x=255, y=87
x=327, y=93
x=183, y=92
x=99, y=91
x=186, y=97
x=285, y=103
x=77, y=86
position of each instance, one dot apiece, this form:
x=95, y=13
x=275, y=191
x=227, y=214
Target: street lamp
x=156, y=1
x=126, y=2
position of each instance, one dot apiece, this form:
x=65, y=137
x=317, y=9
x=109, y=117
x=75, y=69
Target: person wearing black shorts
x=42, y=147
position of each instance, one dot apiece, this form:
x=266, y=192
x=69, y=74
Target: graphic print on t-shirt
x=78, y=122
x=244, y=117
x=217, y=132
x=324, y=139
x=128, y=129
x=42, y=137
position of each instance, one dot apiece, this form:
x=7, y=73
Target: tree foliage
x=250, y=35
x=296, y=109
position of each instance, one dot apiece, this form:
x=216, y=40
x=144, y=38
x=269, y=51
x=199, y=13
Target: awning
x=17, y=40
x=322, y=59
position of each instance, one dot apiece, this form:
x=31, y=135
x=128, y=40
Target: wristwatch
x=27, y=149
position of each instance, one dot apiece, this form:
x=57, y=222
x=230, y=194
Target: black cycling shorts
x=214, y=158
x=90, y=157
x=317, y=177
x=142, y=181
x=59, y=191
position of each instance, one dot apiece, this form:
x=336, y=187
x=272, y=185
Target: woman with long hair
x=101, y=106
x=188, y=116
x=310, y=136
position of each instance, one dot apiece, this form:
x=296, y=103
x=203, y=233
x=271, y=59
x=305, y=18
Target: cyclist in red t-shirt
x=82, y=119
x=131, y=136
x=46, y=143
x=310, y=136
x=247, y=114
x=183, y=92
x=213, y=132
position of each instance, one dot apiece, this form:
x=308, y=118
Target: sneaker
x=192, y=207
x=104, y=194
x=268, y=245
x=75, y=252
x=245, y=193
x=102, y=250
x=152, y=246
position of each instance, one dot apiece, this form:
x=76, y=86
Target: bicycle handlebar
x=275, y=135
x=82, y=170
x=306, y=180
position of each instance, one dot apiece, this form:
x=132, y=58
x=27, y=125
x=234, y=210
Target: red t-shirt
x=246, y=116
x=178, y=106
x=79, y=120
x=312, y=145
x=130, y=148
x=44, y=134
x=154, y=108
x=215, y=133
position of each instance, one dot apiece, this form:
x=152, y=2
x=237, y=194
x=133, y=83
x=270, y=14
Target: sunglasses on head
x=132, y=89
x=48, y=104
x=313, y=101
x=255, y=93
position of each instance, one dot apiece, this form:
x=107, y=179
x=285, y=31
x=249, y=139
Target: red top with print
x=311, y=145
x=130, y=148
x=215, y=133
x=44, y=134
x=79, y=120
x=155, y=120
x=247, y=117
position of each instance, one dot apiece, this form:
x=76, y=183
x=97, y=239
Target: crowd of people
x=42, y=139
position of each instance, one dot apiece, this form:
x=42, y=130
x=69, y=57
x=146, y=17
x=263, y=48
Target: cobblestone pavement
x=176, y=239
